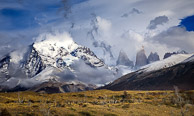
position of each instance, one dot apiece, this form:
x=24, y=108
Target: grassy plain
x=98, y=103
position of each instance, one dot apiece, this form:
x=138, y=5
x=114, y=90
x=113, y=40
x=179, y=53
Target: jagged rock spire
x=153, y=57
x=124, y=60
x=141, y=58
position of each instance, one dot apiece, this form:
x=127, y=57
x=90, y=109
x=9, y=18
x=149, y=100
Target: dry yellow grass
x=98, y=103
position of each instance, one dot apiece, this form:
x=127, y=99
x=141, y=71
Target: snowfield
x=165, y=63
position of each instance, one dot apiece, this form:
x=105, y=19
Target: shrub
x=81, y=95
x=84, y=113
x=125, y=95
x=85, y=105
x=110, y=115
x=125, y=106
x=70, y=115
x=4, y=112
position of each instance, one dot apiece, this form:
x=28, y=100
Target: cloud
x=66, y=75
x=177, y=37
x=133, y=11
x=88, y=74
x=13, y=40
x=103, y=24
x=80, y=71
x=160, y=20
x=49, y=16
x=56, y=36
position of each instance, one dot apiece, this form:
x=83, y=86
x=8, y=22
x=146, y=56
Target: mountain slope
x=180, y=75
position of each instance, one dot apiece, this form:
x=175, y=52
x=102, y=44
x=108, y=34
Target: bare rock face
x=141, y=59
x=168, y=55
x=153, y=57
x=87, y=56
x=124, y=60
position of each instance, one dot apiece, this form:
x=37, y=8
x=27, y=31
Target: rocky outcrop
x=87, y=56
x=124, y=60
x=141, y=59
x=4, y=66
x=30, y=65
x=153, y=57
x=33, y=64
x=168, y=54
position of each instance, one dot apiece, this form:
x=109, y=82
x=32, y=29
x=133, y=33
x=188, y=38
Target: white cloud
x=61, y=39
x=87, y=74
x=103, y=24
x=177, y=37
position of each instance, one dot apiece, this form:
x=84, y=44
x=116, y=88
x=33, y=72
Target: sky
x=105, y=26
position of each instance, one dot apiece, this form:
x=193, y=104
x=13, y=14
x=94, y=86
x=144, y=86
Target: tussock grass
x=98, y=103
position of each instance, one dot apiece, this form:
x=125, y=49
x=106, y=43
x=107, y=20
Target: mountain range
x=61, y=65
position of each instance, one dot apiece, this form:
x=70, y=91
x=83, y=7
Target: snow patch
x=165, y=63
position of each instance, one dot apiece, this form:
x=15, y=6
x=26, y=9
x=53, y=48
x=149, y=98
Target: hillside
x=161, y=75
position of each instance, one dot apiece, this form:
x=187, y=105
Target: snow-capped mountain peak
x=62, y=48
x=48, y=58
x=48, y=43
x=52, y=51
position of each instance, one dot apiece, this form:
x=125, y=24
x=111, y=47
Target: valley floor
x=98, y=103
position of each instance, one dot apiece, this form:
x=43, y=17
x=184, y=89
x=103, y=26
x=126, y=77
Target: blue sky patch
x=32, y=13
x=188, y=23
x=14, y=13
x=17, y=19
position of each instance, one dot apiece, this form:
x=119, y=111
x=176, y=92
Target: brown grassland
x=98, y=103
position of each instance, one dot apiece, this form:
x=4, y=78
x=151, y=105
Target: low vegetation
x=98, y=103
